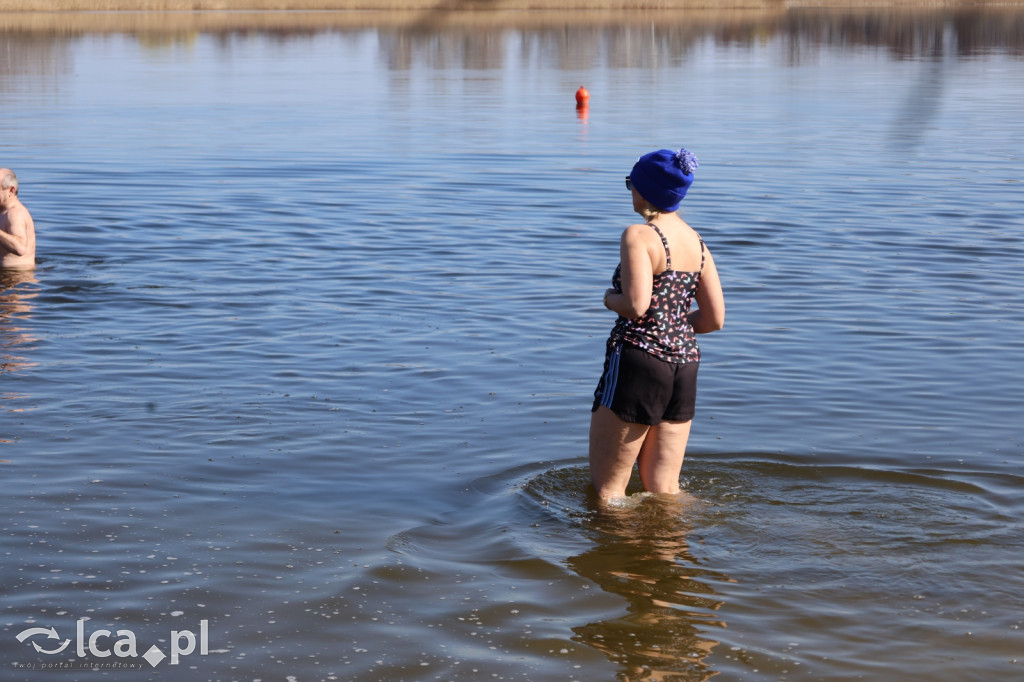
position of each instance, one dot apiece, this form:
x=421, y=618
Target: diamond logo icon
x=154, y=656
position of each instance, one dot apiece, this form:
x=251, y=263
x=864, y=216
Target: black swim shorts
x=642, y=389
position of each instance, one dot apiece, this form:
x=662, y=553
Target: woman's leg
x=614, y=447
x=661, y=457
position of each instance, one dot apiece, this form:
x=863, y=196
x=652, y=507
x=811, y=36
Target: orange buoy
x=582, y=97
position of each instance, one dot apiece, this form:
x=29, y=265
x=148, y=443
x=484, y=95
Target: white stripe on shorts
x=611, y=377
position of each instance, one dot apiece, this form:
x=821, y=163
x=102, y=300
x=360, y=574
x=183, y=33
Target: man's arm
x=14, y=238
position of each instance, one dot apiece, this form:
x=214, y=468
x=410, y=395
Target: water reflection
x=925, y=97
x=569, y=40
x=642, y=554
x=654, y=40
x=15, y=310
x=31, y=61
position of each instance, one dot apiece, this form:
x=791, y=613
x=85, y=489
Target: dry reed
x=459, y=5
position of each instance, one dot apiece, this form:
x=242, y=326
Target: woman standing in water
x=644, y=402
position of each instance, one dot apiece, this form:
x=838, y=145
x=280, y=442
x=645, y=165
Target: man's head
x=8, y=180
x=8, y=185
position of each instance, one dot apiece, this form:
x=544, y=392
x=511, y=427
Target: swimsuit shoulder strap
x=701, y=254
x=668, y=254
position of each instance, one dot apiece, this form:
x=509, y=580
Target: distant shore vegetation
x=469, y=5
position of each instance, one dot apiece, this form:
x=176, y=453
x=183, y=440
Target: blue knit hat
x=662, y=177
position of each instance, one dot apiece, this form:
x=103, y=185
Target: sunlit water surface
x=310, y=350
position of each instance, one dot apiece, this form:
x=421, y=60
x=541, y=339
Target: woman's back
x=685, y=251
x=663, y=330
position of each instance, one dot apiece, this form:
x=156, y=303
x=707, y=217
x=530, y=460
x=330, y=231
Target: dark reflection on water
x=639, y=549
x=897, y=561
x=16, y=335
x=909, y=34
x=655, y=616
x=31, y=61
x=641, y=552
x=655, y=41
x=477, y=40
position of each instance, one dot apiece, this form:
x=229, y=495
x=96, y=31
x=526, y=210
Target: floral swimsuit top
x=664, y=330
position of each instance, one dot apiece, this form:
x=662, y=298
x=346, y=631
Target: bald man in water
x=17, y=231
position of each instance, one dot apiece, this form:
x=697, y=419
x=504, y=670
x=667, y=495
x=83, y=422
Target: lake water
x=310, y=349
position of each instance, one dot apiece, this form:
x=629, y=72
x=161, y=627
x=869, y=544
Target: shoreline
x=61, y=6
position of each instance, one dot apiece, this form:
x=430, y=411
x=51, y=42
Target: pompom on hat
x=662, y=177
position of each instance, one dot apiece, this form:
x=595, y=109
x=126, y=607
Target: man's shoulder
x=20, y=214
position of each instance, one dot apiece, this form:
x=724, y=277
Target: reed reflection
x=641, y=553
x=571, y=40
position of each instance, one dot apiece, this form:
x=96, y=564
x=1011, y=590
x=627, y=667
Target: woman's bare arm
x=710, y=313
